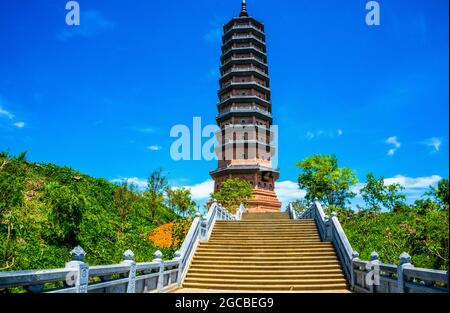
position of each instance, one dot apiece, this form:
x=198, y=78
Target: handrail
x=200, y=229
x=390, y=278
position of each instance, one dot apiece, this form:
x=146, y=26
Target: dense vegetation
x=46, y=210
x=385, y=224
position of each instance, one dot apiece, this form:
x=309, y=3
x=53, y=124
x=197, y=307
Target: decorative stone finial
x=128, y=255
x=77, y=254
x=405, y=258
x=355, y=255
x=374, y=256
x=243, y=9
x=177, y=254
x=316, y=199
x=215, y=200
x=333, y=214
x=158, y=255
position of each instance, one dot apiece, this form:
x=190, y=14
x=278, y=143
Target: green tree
x=180, y=201
x=440, y=194
x=233, y=192
x=322, y=178
x=157, y=185
x=301, y=204
x=124, y=198
x=377, y=195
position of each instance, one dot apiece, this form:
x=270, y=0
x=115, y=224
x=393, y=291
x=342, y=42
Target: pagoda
x=244, y=147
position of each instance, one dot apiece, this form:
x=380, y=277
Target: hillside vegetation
x=46, y=210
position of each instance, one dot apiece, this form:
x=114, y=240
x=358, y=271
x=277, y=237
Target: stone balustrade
x=372, y=276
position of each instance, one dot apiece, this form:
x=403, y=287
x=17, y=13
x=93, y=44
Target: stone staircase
x=265, y=252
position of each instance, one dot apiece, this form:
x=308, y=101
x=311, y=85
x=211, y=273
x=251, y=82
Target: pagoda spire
x=244, y=9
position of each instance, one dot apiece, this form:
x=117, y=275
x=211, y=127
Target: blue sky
x=103, y=96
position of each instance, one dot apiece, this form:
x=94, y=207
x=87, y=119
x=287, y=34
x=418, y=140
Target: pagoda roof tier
x=240, y=61
x=244, y=99
x=245, y=169
x=244, y=72
x=242, y=142
x=245, y=39
x=250, y=49
x=243, y=127
x=243, y=28
x=242, y=19
x=244, y=113
x=242, y=85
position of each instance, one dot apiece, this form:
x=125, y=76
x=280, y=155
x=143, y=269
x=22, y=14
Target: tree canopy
x=377, y=195
x=233, y=192
x=322, y=179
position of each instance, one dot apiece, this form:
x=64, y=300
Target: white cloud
x=5, y=113
x=288, y=191
x=414, y=186
x=140, y=184
x=19, y=124
x=201, y=191
x=154, y=148
x=393, y=141
x=413, y=183
x=433, y=142
x=310, y=135
x=321, y=133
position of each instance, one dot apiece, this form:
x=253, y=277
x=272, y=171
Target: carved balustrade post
x=79, y=274
x=355, y=257
x=128, y=260
x=405, y=262
x=158, y=258
x=373, y=276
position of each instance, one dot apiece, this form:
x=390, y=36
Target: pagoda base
x=263, y=201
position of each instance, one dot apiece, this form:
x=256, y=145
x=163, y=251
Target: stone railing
x=125, y=277
x=372, y=276
x=78, y=277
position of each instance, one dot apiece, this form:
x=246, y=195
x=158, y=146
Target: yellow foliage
x=165, y=235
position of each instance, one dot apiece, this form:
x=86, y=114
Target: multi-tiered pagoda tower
x=245, y=113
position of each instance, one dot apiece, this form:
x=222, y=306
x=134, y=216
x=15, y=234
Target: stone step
x=253, y=263
x=280, y=242
x=287, y=245
x=265, y=253
x=266, y=237
x=270, y=276
x=267, y=221
x=267, y=258
x=266, y=281
x=265, y=215
x=268, y=234
x=248, y=243
x=265, y=230
x=279, y=287
x=265, y=227
x=336, y=270
x=267, y=268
